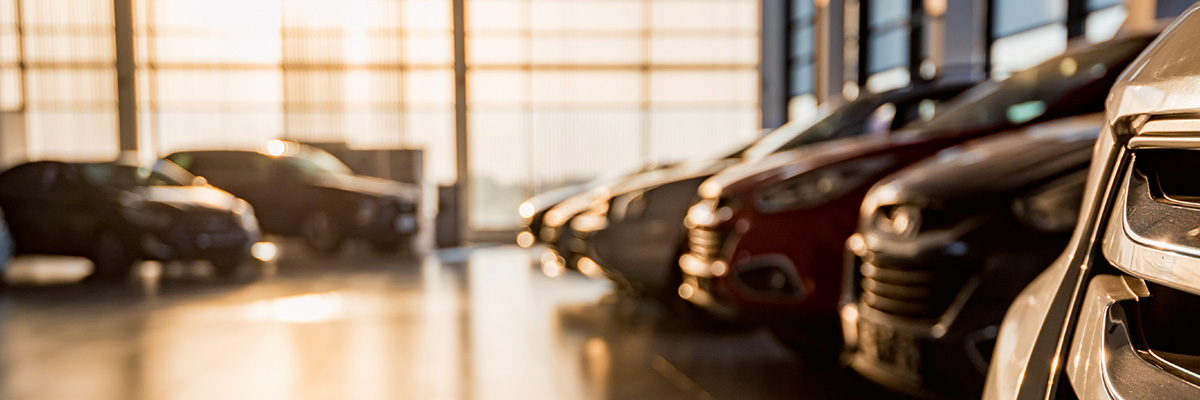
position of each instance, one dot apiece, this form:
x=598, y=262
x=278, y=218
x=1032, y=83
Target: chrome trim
x=1105, y=363
x=1143, y=243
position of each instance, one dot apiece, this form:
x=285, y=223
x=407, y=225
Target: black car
x=638, y=234
x=299, y=190
x=945, y=245
x=117, y=213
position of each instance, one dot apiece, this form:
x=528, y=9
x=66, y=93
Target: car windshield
x=799, y=133
x=1029, y=94
x=314, y=162
x=126, y=176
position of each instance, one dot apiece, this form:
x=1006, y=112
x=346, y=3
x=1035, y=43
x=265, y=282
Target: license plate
x=406, y=223
x=892, y=349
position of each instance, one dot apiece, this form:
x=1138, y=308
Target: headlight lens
x=820, y=186
x=629, y=205
x=900, y=221
x=1053, y=207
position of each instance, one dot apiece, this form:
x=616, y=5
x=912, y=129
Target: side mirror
x=199, y=181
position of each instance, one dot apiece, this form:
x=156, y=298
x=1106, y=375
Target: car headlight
x=1053, y=207
x=629, y=205
x=817, y=187
x=900, y=220
x=526, y=210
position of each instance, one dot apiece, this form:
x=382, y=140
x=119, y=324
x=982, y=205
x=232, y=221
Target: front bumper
x=921, y=316
x=181, y=244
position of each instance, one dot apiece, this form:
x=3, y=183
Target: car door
x=41, y=209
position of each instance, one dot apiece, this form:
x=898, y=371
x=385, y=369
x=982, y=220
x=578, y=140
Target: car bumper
x=191, y=245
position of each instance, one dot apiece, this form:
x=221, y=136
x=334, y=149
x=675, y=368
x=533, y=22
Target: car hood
x=370, y=186
x=680, y=172
x=995, y=167
x=748, y=176
x=638, y=181
x=183, y=197
x=1162, y=79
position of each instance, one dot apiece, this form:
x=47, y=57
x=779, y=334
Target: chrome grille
x=705, y=243
x=923, y=292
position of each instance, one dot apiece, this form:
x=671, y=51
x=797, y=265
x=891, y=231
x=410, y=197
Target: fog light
x=686, y=291
x=525, y=239
x=719, y=268
x=850, y=324
x=264, y=251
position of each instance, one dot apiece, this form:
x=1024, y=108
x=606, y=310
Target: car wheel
x=111, y=257
x=322, y=233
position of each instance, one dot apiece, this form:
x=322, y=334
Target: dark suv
x=303, y=191
x=117, y=213
x=951, y=241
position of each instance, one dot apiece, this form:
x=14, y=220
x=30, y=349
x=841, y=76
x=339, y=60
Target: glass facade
x=1026, y=32
x=559, y=91
x=563, y=91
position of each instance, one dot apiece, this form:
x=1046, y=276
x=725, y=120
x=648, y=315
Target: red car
x=766, y=239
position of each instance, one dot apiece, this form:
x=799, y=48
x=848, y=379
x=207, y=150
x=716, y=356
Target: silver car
x=1118, y=314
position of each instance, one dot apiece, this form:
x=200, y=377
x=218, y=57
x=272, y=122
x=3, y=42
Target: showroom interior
x=378, y=199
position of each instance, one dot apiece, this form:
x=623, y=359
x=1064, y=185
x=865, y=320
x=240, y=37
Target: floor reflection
x=481, y=323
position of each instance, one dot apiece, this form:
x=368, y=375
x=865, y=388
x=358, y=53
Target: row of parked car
x=919, y=234
x=199, y=205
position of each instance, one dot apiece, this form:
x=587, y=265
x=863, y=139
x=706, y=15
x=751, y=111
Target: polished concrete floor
x=475, y=323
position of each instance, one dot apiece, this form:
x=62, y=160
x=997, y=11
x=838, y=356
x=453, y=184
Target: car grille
x=922, y=292
x=706, y=244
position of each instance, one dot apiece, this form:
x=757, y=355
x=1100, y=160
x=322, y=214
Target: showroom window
x=68, y=85
x=888, y=41
x=802, y=60
x=560, y=92
x=1026, y=32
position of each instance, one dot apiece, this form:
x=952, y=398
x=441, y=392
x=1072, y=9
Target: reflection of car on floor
x=1116, y=316
x=115, y=214
x=768, y=238
x=299, y=190
x=637, y=235
x=952, y=240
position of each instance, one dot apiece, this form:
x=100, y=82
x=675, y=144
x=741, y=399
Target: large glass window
x=888, y=40
x=68, y=88
x=563, y=91
x=802, y=60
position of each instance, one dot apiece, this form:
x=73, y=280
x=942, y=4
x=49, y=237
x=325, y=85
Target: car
x=299, y=190
x=533, y=211
x=115, y=213
x=1115, y=315
x=638, y=235
x=767, y=238
x=951, y=241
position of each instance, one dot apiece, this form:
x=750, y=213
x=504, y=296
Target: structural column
x=126, y=78
x=462, y=150
x=830, y=49
x=773, y=63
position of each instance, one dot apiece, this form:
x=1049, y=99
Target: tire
x=112, y=258
x=322, y=233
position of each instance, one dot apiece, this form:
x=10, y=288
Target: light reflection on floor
x=482, y=323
